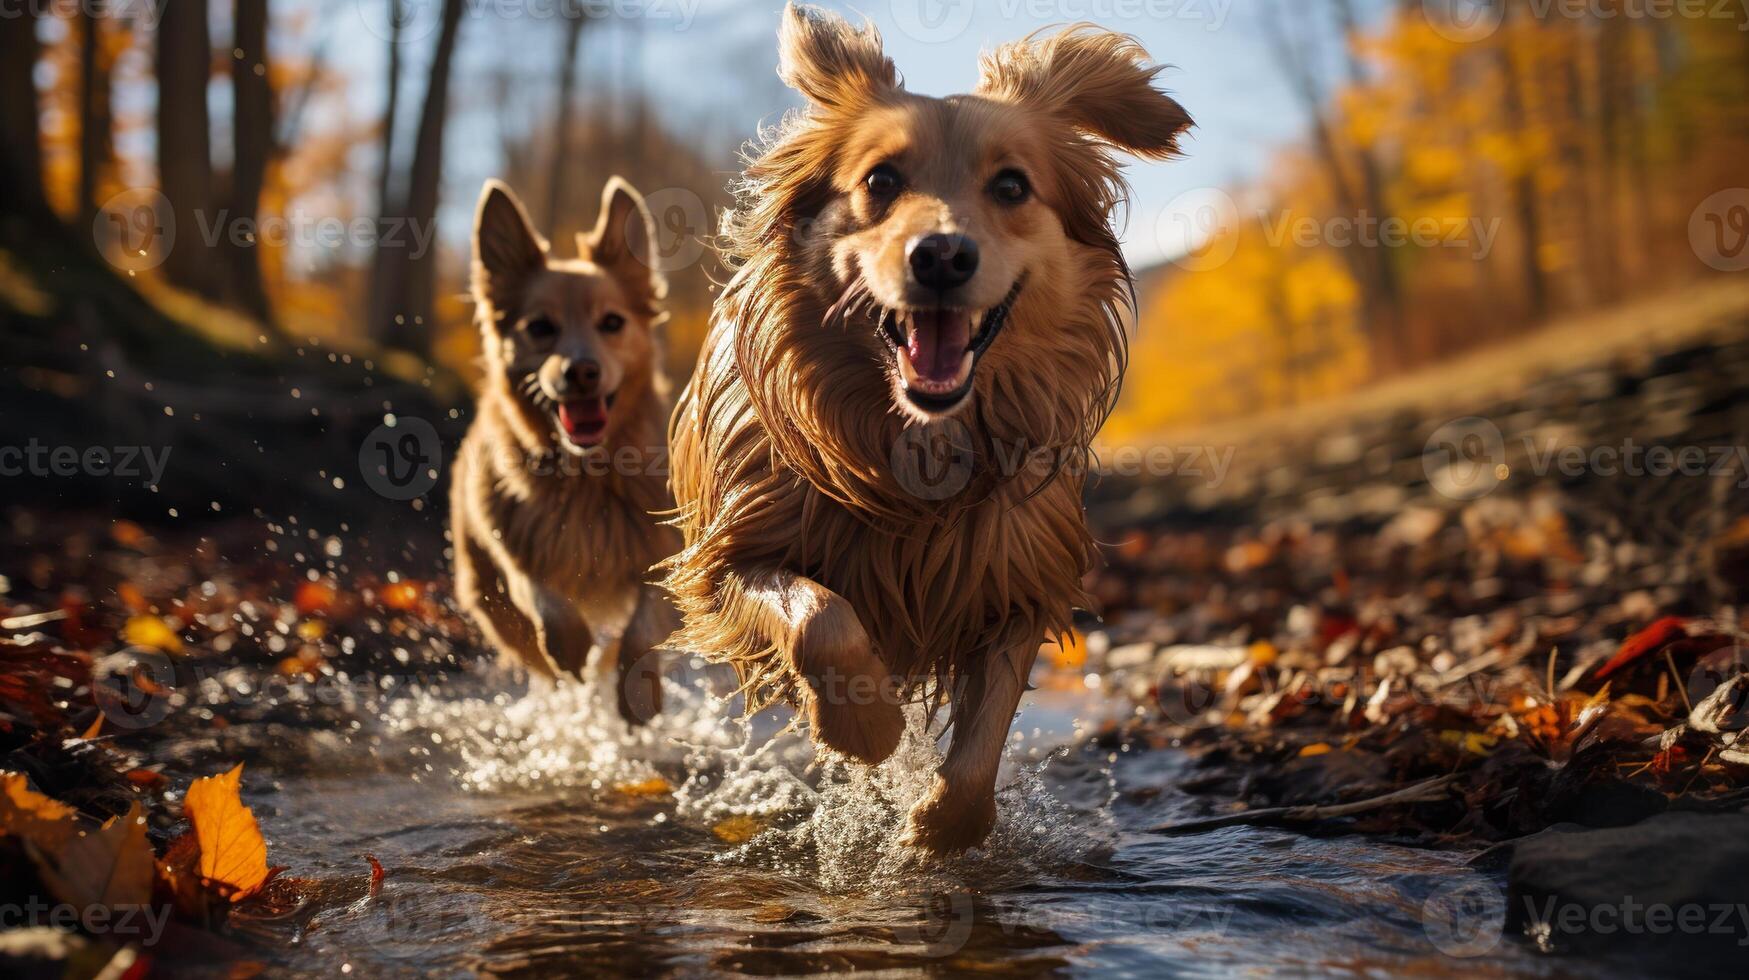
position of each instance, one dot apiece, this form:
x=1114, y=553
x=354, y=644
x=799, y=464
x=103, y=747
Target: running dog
x=561, y=476
x=928, y=299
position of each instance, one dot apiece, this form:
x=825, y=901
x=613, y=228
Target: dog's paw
x=945, y=822
x=852, y=699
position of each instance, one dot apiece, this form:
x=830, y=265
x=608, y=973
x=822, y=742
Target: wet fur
x=553, y=546
x=804, y=551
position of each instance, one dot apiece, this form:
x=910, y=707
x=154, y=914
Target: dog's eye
x=883, y=181
x=541, y=328
x=612, y=323
x=1010, y=187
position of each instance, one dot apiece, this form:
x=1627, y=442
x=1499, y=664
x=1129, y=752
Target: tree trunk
x=96, y=121
x=410, y=328
x=562, y=163
x=20, y=120
x=185, y=169
x=1523, y=183
x=377, y=313
x=252, y=146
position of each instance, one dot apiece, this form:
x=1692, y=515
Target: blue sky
x=711, y=64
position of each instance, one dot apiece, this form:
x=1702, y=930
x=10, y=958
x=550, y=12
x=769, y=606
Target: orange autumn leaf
x=403, y=596
x=313, y=598
x=131, y=597
x=31, y=816
x=233, y=854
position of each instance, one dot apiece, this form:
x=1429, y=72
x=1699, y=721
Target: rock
x=1675, y=883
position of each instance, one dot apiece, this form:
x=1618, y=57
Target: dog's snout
x=584, y=374
x=942, y=261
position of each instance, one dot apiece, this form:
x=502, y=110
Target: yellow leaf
x=31, y=816
x=1475, y=743
x=150, y=631
x=1316, y=748
x=233, y=855
x=654, y=786
x=110, y=866
x=738, y=829
x=1263, y=653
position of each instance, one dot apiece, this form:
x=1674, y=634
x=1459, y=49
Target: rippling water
x=533, y=835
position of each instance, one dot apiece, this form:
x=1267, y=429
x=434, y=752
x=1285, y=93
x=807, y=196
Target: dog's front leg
x=961, y=807
x=560, y=632
x=851, y=697
x=638, y=667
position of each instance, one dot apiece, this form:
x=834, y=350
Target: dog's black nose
x=943, y=261
x=584, y=374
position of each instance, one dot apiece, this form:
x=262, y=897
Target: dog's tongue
x=583, y=420
x=937, y=343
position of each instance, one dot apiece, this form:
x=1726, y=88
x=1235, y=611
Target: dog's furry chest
x=1006, y=570
x=577, y=532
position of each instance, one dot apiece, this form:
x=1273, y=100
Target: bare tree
x=1373, y=267
x=377, y=313
x=413, y=284
x=252, y=148
x=561, y=161
x=96, y=120
x=185, y=170
x=20, y=124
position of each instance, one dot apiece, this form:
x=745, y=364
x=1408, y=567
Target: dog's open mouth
x=937, y=349
x=584, y=420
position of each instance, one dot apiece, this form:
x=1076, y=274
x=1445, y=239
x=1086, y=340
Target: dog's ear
x=837, y=66
x=1098, y=81
x=506, y=248
x=624, y=241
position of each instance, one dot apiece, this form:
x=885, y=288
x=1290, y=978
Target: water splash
x=815, y=815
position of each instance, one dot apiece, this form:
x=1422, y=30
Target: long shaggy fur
x=784, y=442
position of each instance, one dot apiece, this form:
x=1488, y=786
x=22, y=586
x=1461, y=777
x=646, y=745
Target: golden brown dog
x=557, y=483
x=915, y=275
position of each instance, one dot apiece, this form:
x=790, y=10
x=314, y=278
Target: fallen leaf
x=376, y=875
x=313, y=598
x=31, y=816
x=150, y=631
x=110, y=866
x=738, y=829
x=403, y=596
x=233, y=854
x=654, y=786
x=1316, y=748
x=1649, y=640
